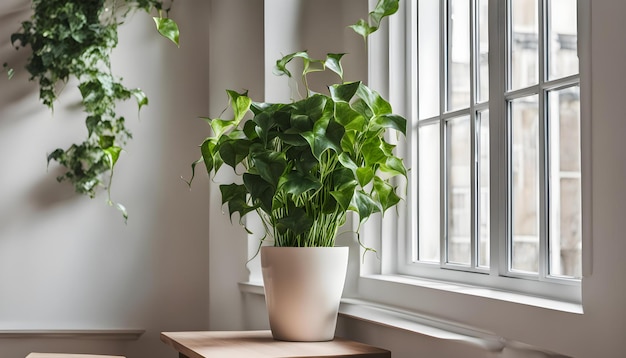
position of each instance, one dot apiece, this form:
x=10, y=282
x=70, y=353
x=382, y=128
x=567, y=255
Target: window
x=495, y=146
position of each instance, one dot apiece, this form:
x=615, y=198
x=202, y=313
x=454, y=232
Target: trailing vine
x=74, y=39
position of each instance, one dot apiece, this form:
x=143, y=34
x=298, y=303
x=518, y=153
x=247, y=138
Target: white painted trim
x=99, y=334
x=411, y=322
x=417, y=284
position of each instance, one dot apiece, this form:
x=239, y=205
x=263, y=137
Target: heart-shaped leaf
x=168, y=28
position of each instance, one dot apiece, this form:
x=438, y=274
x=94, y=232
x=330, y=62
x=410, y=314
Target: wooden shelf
x=260, y=344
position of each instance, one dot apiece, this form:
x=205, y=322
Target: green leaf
x=348, y=117
x=112, y=154
x=260, y=191
x=333, y=63
x=343, y=187
x=315, y=107
x=334, y=133
x=385, y=194
x=343, y=197
x=363, y=28
x=235, y=195
x=383, y=9
x=393, y=121
x=270, y=166
x=235, y=151
x=219, y=126
x=364, y=175
x=326, y=135
x=343, y=178
x=208, y=152
x=302, y=158
x=265, y=126
x=296, y=183
x=300, y=123
x=57, y=155
x=240, y=103
x=347, y=162
x=349, y=142
x=281, y=64
x=297, y=221
x=364, y=205
x=168, y=28
x=378, y=105
x=372, y=152
x=362, y=108
x=142, y=99
x=106, y=141
x=249, y=129
x=344, y=92
x=93, y=124
x=19, y=37
x=394, y=166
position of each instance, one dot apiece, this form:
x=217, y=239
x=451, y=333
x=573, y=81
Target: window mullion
x=498, y=141
x=474, y=157
x=543, y=143
x=443, y=88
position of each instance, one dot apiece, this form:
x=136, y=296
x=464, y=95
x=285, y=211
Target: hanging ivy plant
x=74, y=39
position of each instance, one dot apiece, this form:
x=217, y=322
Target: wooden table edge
x=185, y=352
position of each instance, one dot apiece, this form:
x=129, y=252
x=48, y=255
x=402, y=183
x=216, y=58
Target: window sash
x=498, y=274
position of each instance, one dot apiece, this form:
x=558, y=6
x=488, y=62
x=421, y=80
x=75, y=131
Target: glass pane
x=525, y=184
x=483, y=189
x=458, y=55
x=428, y=202
x=459, y=181
x=565, y=194
x=524, y=39
x=483, y=51
x=428, y=58
x=562, y=32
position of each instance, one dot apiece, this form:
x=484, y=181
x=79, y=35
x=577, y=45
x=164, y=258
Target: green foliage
x=383, y=9
x=308, y=163
x=74, y=39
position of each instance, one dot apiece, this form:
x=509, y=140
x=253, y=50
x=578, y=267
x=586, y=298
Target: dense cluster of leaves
x=74, y=39
x=305, y=164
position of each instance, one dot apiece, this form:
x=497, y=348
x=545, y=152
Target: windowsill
x=478, y=291
x=518, y=298
x=388, y=316
x=406, y=320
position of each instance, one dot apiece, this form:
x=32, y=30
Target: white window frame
x=391, y=277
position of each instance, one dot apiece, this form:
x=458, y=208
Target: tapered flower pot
x=303, y=287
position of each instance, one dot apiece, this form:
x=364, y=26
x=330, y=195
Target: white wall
x=600, y=332
x=69, y=262
x=59, y=268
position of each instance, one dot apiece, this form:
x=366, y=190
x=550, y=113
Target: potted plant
x=303, y=167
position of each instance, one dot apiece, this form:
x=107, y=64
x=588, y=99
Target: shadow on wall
x=48, y=192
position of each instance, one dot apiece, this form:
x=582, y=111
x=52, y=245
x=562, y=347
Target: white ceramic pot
x=303, y=287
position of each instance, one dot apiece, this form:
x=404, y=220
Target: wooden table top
x=260, y=344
